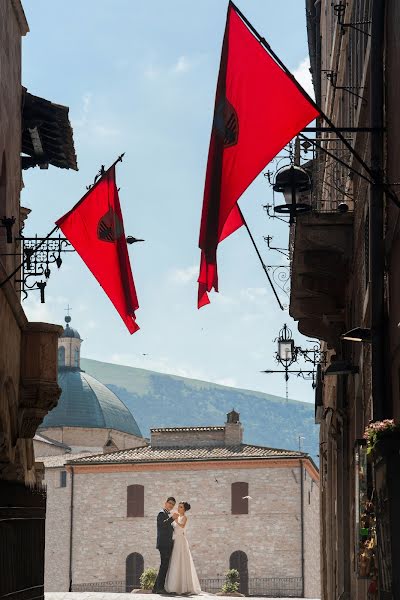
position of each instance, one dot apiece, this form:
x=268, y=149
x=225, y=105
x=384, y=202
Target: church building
x=253, y=508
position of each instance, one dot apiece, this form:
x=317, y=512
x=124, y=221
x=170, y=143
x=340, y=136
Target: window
x=135, y=501
x=76, y=357
x=61, y=356
x=63, y=479
x=240, y=501
x=134, y=569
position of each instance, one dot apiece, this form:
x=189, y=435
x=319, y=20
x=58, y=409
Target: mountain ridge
x=164, y=400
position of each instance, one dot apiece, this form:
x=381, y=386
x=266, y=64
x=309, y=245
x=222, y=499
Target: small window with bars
x=63, y=479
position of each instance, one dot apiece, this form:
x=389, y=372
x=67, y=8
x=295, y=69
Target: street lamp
x=293, y=182
x=286, y=354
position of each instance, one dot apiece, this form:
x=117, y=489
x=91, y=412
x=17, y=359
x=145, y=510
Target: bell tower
x=69, y=347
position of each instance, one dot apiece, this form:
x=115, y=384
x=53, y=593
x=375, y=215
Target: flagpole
x=260, y=258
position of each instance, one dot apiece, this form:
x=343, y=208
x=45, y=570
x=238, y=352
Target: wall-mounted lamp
x=292, y=181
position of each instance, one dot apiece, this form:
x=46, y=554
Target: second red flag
x=258, y=110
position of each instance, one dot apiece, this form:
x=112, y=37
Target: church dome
x=87, y=403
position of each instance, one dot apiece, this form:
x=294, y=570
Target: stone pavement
x=110, y=596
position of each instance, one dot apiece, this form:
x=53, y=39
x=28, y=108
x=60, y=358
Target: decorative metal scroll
x=280, y=275
x=36, y=269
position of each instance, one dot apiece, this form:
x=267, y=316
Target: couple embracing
x=177, y=574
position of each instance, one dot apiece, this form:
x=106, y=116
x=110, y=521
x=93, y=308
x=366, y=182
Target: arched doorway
x=134, y=569
x=238, y=561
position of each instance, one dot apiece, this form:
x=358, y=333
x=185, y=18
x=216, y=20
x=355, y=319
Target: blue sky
x=139, y=77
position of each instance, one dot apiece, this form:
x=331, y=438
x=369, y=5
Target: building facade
x=30, y=134
x=253, y=508
x=344, y=277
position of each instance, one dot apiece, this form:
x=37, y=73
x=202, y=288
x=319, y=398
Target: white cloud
x=82, y=121
x=303, y=76
x=52, y=311
x=182, y=66
x=185, y=275
x=228, y=381
x=254, y=294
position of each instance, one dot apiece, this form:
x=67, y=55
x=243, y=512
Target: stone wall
x=270, y=534
x=191, y=436
x=43, y=449
x=231, y=434
x=312, y=580
x=92, y=437
x=58, y=516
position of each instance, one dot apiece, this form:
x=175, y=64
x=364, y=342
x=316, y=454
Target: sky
x=139, y=77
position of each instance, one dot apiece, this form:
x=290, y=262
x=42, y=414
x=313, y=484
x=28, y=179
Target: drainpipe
x=376, y=211
x=71, y=525
x=302, y=525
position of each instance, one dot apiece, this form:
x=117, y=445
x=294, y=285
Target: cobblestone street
x=110, y=596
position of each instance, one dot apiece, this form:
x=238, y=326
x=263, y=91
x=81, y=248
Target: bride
x=181, y=577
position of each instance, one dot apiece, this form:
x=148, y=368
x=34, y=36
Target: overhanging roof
x=46, y=134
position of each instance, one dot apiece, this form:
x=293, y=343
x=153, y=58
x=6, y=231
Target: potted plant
x=147, y=581
x=381, y=433
x=231, y=585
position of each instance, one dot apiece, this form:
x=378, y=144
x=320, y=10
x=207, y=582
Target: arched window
x=238, y=561
x=135, y=501
x=76, y=357
x=240, y=501
x=134, y=569
x=61, y=356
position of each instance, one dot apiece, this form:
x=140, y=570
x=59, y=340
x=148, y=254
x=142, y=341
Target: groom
x=164, y=542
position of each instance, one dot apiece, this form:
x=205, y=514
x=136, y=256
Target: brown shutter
x=135, y=501
x=240, y=504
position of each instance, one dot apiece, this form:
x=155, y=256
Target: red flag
x=258, y=110
x=95, y=229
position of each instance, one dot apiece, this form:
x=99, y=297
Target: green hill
x=161, y=400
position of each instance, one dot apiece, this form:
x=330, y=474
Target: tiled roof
x=60, y=460
x=168, y=429
x=46, y=440
x=151, y=454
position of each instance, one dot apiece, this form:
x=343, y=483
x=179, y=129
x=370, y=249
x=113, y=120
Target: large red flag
x=258, y=110
x=95, y=229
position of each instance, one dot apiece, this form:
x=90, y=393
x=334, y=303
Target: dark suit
x=164, y=545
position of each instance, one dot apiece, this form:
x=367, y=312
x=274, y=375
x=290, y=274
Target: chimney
x=233, y=429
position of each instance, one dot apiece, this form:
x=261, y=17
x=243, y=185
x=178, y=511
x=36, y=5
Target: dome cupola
x=69, y=347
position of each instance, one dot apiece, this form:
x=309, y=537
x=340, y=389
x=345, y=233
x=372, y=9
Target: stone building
x=253, y=508
x=344, y=277
x=32, y=131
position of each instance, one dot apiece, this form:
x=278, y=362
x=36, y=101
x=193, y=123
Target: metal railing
x=271, y=587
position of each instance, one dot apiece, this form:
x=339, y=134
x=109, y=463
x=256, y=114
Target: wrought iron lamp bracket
x=38, y=254
x=339, y=10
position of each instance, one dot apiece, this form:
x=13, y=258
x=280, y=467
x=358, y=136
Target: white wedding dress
x=181, y=577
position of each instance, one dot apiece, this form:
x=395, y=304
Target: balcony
x=322, y=244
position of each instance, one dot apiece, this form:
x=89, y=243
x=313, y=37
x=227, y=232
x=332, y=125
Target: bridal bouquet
x=378, y=430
